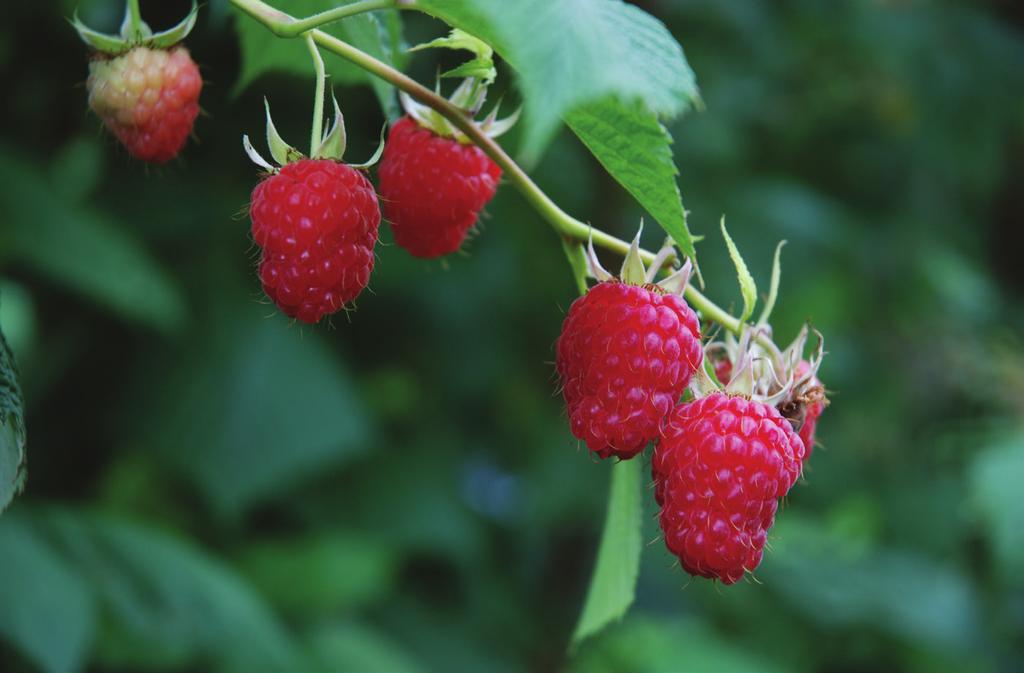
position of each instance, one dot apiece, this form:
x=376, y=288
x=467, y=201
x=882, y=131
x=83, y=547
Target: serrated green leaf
x=354, y=648
x=377, y=35
x=83, y=250
x=635, y=149
x=995, y=478
x=49, y=611
x=301, y=575
x=827, y=576
x=613, y=585
x=660, y=644
x=12, y=428
x=217, y=413
x=168, y=601
x=571, y=53
x=748, y=289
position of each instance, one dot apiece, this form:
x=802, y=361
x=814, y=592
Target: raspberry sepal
x=135, y=33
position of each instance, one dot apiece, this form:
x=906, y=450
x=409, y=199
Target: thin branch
x=316, y=135
x=281, y=23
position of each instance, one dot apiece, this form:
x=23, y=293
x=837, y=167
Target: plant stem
x=283, y=25
x=280, y=23
x=316, y=135
x=135, y=18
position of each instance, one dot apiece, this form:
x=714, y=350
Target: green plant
x=610, y=71
x=643, y=75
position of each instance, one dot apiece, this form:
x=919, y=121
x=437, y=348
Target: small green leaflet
x=12, y=428
x=83, y=250
x=635, y=149
x=482, y=65
x=747, y=287
x=613, y=585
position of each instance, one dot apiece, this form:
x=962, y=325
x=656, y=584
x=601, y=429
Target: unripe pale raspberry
x=316, y=221
x=719, y=468
x=148, y=98
x=625, y=355
x=433, y=188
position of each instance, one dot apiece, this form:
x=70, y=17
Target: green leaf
x=635, y=149
x=49, y=611
x=748, y=290
x=353, y=648
x=613, y=585
x=168, y=601
x=995, y=478
x=302, y=575
x=264, y=52
x=571, y=53
x=659, y=644
x=12, y=428
x=834, y=580
x=218, y=414
x=82, y=250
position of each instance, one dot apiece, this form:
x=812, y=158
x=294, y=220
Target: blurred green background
x=212, y=488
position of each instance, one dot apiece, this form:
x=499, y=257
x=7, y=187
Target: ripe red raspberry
x=316, y=221
x=433, y=188
x=625, y=356
x=719, y=467
x=148, y=98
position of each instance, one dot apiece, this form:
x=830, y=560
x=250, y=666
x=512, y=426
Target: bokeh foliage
x=213, y=489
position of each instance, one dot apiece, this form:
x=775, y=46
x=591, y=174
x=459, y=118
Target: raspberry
x=625, y=356
x=433, y=188
x=719, y=467
x=148, y=98
x=316, y=221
